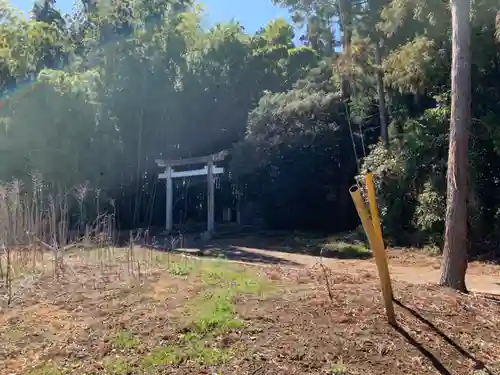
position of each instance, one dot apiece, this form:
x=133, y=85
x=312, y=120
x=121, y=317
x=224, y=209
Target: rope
x=348, y=116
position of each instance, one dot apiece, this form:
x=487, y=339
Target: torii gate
x=209, y=170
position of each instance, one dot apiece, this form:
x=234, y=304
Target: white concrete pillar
x=210, y=198
x=170, y=194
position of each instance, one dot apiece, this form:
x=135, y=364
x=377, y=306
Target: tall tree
x=45, y=11
x=455, y=242
x=497, y=24
x=374, y=8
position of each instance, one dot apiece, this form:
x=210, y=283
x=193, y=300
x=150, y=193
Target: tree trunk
x=381, y=95
x=497, y=24
x=454, y=262
x=375, y=36
x=346, y=27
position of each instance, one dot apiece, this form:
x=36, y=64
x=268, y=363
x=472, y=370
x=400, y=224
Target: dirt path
x=416, y=270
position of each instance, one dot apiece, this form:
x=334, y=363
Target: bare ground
x=99, y=319
x=416, y=267
x=412, y=267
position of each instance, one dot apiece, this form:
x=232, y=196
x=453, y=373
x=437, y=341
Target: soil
x=439, y=332
x=324, y=320
x=414, y=267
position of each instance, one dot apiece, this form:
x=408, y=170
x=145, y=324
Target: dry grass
x=182, y=315
x=104, y=317
x=66, y=309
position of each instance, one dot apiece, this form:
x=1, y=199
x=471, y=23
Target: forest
x=91, y=99
x=95, y=279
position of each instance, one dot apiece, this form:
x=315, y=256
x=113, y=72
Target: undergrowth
x=210, y=315
x=207, y=319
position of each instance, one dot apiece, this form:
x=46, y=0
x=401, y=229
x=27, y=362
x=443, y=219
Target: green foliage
x=418, y=16
x=411, y=177
x=213, y=312
x=430, y=211
x=164, y=356
x=180, y=270
x=125, y=340
x=338, y=369
x=410, y=67
x=91, y=100
x=117, y=366
x=138, y=83
x=347, y=250
x=298, y=138
x=216, y=313
x=194, y=350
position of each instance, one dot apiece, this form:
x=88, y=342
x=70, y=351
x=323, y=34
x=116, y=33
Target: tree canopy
x=94, y=97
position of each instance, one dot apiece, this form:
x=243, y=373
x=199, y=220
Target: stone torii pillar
x=210, y=197
x=169, y=191
x=209, y=170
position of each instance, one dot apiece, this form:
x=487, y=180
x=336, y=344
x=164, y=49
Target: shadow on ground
x=231, y=253
x=438, y=365
x=232, y=246
x=235, y=253
x=436, y=362
x=491, y=257
x=495, y=298
x=340, y=247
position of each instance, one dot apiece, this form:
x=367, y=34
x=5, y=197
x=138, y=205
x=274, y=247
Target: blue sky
x=252, y=14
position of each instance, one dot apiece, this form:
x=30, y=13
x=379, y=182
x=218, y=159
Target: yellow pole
x=377, y=247
x=372, y=200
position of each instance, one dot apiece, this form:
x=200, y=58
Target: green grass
x=124, y=341
x=347, y=250
x=213, y=310
x=234, y=278
x=117, y=366
x=47, y=369
x=196, y=350
x=205, y=355
x=163, y=356
x=175, y=264
x=210, y=314
x=338, y=368
x=214, y=313
x=210, y=317
x=178, y=269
